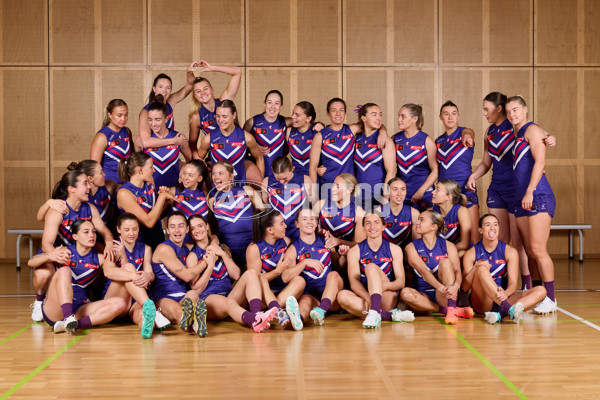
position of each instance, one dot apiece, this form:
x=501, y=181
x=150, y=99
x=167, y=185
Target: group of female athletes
x=291, y=218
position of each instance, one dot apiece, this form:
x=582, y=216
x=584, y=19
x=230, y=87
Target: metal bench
x=571, y=228
x=24, y=233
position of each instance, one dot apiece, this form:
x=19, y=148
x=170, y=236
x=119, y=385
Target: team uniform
x=382, y=257
x=65, y=235
x=455, y=162
x=166, y=284
x=104, y=204
x=339, y=222
x=413, y=166
x=523, y=161
x=233, y=211
x=299, y=144
x=191, y=202
x=370, y=171
x=288, y=199
x=451, y=221
x=219, y=282
x=230, y=148
x=166, y=162
x=398, y=228
x=315, y=281
x=431, y=258
x=84, y=271
x=170, y=120
x=497, y=260
x=337, y=150
x=208, y=122
x=135, y=257
x=501, y=141
x=270, y=254
x=118, y=147
x=271, y=135
x=146, y=198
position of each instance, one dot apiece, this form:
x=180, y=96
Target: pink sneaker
x=262, y=319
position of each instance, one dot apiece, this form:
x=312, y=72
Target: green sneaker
x=516, y=312
x=318, y=315
x=291, y=307
x=373, y=320
x=200, y=318
x=187, y=315
x=148, y=315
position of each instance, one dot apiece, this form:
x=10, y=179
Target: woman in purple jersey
x=400, y=218
x=202, y=118
x=163, y=85
x=191, y=198
x=534, y=199
x=113, y=141
x=491, y=268
x=102, y=192
x=450, y=203
x=67, y=306
x=437, y=271
x=300, y=135
x=455, y=158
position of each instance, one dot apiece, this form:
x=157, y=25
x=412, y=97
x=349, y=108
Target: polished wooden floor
x=545, y=357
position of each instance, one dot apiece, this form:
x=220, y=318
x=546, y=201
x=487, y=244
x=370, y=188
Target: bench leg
x=19, y=252
x=570, y=244
x=580, y=245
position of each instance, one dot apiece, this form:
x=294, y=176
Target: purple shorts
x=502, y=199
x=542, y=203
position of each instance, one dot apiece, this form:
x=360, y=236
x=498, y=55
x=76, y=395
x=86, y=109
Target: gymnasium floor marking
x=16, y=334
x=578, y=318
x=484, y=360
x=43, y=365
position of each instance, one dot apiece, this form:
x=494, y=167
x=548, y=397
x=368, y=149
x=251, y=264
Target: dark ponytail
x=61, y=189
x=260, y=223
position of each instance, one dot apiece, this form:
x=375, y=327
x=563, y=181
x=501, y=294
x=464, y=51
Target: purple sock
x=255, y=305
x=67, y=309
x=39, y=297
x=325, y=304
x=536, y=282
x=376, y=302
x=84, y=322
x=451, y=303
x=525, y=282
x=504, y=307
x=442, y=310
x=301, y=318
x=274, y=303
x=386, y=315
x=549, y=289
x=248, y=317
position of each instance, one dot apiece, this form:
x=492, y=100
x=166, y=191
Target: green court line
x=484, y=360
x=16, y=334
x=42, y=366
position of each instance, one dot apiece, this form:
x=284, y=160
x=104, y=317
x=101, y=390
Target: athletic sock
x=301, y=318
x=325, y=304
x=549, y=289
x=39, y=297
x=255, y=305
x=84, y=322
x=442, y=310
x=525, y=282
x=67, y=309
x=536, y=282
x=451, y=303
x=376, y=302
x=274, y=303
x=248, y=317
x=386, y=315
x=504, y=307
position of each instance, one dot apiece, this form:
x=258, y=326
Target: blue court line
x=43, y=365
x=484, y=360
x=16, y=334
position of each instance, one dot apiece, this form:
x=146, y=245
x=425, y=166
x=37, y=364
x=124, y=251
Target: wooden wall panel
x=511, y=38
x=591, y=121
x=319, y=32
x=25, y=110
x=555, y=33
x=415, y=43
x=512, y=81
x=461, y=32
x=259, y=82
x=125, y=84
x=24, y=32
x=72, y=110
x=318, y=86
x=564, y=185
x=591, y=196
x=464, y=88
x=72, y=32
x=417, y=86
x=365, y=32
x=591, y=33
x=367, y=86
x=268, y=32
x=170, y=32
x=25, y=189
x=124, y=32
x=556, y=108
x=221, y=33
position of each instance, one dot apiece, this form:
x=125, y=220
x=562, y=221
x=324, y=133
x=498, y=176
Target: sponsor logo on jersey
x=385, y=259
x=346, y=137
x=506, y=132
x=237, y=144
x=90, y=266
x=399, y=147
x=413, y=147
x=171, y=146
x=500, y=261
x=304, y=256
x=321, y=251
x=217, y=146
x=441, y=256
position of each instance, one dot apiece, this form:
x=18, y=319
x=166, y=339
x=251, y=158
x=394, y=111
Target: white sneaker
x=71, y=324
x=546, y=306
x=402, y=316
x=492, y=317
x=36, y=313
x=59, y=326
x=373, y=320
x=160, y=321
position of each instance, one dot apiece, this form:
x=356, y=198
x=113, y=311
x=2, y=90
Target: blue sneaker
x=200, y=318
x=187, y=315
x=492, y=317
x=516, y=312
x=282, y=317
x=148, y=315
x=291, y=307
x=318, y=315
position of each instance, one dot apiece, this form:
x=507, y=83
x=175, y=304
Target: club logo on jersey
x=218, y=146
x=365, y=261
x=90, y=266
x=400, y=147
x=304, y=256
